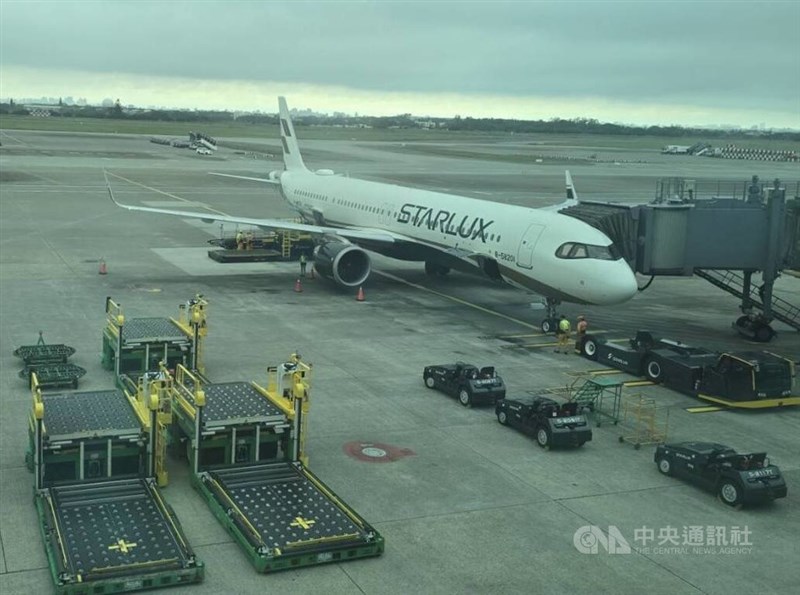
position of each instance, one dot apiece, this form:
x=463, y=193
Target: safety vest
x=563, y=325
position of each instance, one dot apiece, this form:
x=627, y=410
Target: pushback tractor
x=744, y=380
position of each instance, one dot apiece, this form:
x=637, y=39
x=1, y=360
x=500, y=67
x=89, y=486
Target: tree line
x=402, y=121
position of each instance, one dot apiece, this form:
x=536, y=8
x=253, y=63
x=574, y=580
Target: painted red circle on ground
x=375, y=452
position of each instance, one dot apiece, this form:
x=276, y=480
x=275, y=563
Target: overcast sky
x=648, y=62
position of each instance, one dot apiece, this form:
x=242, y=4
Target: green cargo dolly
x=106, y=527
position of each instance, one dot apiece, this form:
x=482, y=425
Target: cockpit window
x=572, y=250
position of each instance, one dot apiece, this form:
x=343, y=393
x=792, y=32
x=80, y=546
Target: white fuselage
x=523, y=241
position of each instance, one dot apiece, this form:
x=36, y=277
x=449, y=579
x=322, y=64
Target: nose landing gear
x=550, y=322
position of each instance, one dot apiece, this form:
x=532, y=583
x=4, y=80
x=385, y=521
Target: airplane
x=539, y=250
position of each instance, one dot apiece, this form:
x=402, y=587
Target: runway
x=471, y=506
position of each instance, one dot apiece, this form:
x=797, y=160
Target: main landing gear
x=755, y=327
x=550, y=323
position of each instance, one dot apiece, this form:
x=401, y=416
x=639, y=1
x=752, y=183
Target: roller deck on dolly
x=105, y=526
x=246, y=448
x=139, y=345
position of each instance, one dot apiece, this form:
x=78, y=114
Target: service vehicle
x=750, y=379
x=551, y=423
x=736, y=478
x=470, y=384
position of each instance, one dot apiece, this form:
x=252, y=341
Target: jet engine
x=346, y=264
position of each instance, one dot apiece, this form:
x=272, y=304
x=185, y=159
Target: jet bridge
x=723, y=240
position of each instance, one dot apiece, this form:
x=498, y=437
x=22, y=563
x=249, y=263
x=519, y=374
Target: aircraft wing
x=355, y=234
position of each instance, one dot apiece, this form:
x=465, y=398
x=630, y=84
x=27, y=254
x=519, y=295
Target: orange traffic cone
x=103, y=270
x=360, y=295
x=297, y=286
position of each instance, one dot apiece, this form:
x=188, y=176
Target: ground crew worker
x=562, y=333
x=239, y=240
x=303, y=264
x=581, y=332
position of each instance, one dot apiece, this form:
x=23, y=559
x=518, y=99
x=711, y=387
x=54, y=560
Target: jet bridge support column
x=776, y=205
x=757, y=326
x=746, y=289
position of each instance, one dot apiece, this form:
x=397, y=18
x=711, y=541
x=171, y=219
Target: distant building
x=676, y=150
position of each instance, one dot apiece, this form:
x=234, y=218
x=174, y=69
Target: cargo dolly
x=50, y=364
x=139, y=345
x=105, y=526
x=245, y=444
x=42, y=353
x=54, y=375
x=113, y=536
x=228, y=423
x=253, y=246
x=284, y=517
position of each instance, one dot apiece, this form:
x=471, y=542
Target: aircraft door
x=527, y=244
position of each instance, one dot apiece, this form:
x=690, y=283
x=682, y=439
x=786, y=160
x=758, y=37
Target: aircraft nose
x=622, y=285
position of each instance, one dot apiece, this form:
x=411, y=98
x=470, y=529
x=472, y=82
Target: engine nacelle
x=275, y=175
x=346, y=264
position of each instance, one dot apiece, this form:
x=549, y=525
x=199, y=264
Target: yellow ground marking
x=301, y=522
x=503, y=337
x=604, y=372
x=632, y=383
x=703, y=409
x=123, y=546
x=457, y=300
x=789, y=401
x=169, y=194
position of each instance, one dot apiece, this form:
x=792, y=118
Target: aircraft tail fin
x=572, y=196
x=571, y=193
x=292, y=160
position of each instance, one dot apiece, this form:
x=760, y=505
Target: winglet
x=291, y=151
x=110, y=192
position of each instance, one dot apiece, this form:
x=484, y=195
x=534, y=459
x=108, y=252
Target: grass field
x=224, y=130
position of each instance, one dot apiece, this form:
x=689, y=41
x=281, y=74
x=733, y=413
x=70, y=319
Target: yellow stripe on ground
x=457, y=300
x=538, y=335
x=604, y=372
x=703, y=409
x=632, y=383
x=760, y=404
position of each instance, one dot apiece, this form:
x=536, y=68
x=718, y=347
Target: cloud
x=725, y=57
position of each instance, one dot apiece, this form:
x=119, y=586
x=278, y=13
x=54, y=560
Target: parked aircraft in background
x=554, y=255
